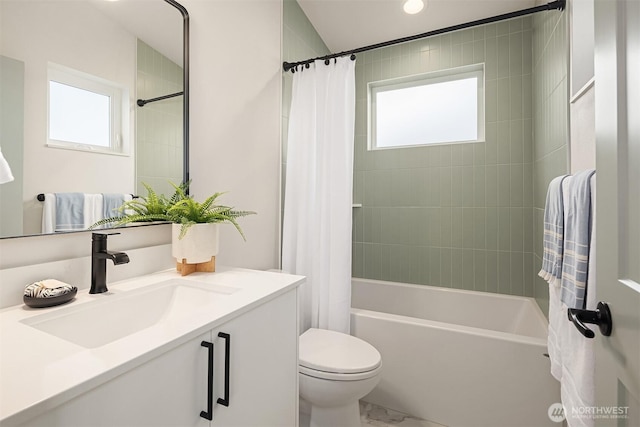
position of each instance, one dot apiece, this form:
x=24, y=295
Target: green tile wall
x=159, y=132
x=465, y=216
x=550, y=133
x=300, y=41
x=460, y=215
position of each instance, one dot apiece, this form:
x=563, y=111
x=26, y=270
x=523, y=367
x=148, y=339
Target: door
x=617, y=76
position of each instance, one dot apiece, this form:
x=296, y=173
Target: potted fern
x=195, y=224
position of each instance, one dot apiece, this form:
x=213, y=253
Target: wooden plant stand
x=185, y=268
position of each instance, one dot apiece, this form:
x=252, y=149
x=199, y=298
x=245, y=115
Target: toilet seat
x=336, y=356
x=332, y=376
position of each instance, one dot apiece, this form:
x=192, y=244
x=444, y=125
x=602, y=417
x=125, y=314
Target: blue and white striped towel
x=577, y=237
x=553, y=233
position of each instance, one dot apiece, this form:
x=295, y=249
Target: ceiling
x=350, y=24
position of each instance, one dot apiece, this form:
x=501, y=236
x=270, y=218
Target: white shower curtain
x=318, y=194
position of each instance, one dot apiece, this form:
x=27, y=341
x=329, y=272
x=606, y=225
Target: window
x=434, y=108
x=86, y=112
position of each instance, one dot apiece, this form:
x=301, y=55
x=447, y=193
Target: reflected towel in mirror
x=70, y=211
x=5, y=170
x=92, y=207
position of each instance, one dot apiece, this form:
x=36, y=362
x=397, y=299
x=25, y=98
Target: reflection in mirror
x=134, y=44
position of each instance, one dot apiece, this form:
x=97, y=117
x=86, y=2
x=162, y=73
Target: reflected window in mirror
x=86, y=112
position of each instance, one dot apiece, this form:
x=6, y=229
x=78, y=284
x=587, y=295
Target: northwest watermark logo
x=556, y=413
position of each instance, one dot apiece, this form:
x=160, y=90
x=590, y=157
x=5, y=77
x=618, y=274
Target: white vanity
x=218, y=349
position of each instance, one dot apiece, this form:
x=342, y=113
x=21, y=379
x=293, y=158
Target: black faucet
x=99, y=257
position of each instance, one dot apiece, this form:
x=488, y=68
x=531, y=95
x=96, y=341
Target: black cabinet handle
x=208, y=414
x=227, y=359
x=601, y=316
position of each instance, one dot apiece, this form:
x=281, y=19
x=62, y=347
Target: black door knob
x=601, y=316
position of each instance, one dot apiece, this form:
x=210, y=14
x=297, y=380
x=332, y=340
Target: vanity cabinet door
x=169, y=390
x=263, y=369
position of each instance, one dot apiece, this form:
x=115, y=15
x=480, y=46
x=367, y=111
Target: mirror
x=140, y=45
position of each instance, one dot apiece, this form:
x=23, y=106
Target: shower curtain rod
x=558, y=4
x=143, y=102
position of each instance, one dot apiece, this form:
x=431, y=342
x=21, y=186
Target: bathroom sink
x=113, y=316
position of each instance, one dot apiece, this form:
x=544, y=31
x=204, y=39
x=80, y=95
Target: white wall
x=582, y=99
x=583, y=130
x=234, y=109
x=75, y=35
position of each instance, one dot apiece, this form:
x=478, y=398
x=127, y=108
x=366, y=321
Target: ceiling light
x=413, y=6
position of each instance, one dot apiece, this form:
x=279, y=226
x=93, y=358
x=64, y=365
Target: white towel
x=5, y=170
x=577, y=388
x=557, y=325
x=92, y=209
x=49, y=213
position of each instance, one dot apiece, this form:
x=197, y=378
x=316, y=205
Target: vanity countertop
x=39, y=370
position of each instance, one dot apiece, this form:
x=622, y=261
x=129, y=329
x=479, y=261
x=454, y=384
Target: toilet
x=335, y=371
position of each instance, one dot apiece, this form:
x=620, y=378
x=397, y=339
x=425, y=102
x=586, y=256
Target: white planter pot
x=197, y=246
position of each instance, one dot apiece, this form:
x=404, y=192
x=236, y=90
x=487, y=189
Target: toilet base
x=336, y=416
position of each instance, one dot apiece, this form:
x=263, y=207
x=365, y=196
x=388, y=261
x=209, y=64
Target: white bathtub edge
x=505, y=336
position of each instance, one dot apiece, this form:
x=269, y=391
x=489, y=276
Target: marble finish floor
x=374, y=415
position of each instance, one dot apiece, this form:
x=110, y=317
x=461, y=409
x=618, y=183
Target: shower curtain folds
x=318, y=193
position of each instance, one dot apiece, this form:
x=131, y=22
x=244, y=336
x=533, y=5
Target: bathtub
x=457, y=358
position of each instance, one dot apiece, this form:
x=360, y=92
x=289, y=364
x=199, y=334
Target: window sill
x=86, y=148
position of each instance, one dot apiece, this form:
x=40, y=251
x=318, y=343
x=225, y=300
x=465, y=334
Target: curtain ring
x=353, y=57
x=335, y=60
x=326, y=61
x=306, y=65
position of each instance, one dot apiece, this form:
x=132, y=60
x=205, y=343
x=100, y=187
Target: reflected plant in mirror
x=95, y=43
x=180, y=208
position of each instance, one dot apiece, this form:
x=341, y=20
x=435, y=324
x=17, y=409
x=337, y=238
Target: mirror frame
x=185, y=87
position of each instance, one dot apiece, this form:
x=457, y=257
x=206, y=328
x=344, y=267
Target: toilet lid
x=331, y=351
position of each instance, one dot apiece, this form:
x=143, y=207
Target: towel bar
x=41, y=196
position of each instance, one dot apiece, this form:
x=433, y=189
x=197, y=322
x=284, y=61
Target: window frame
x=118, y=109
x=423, y=79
